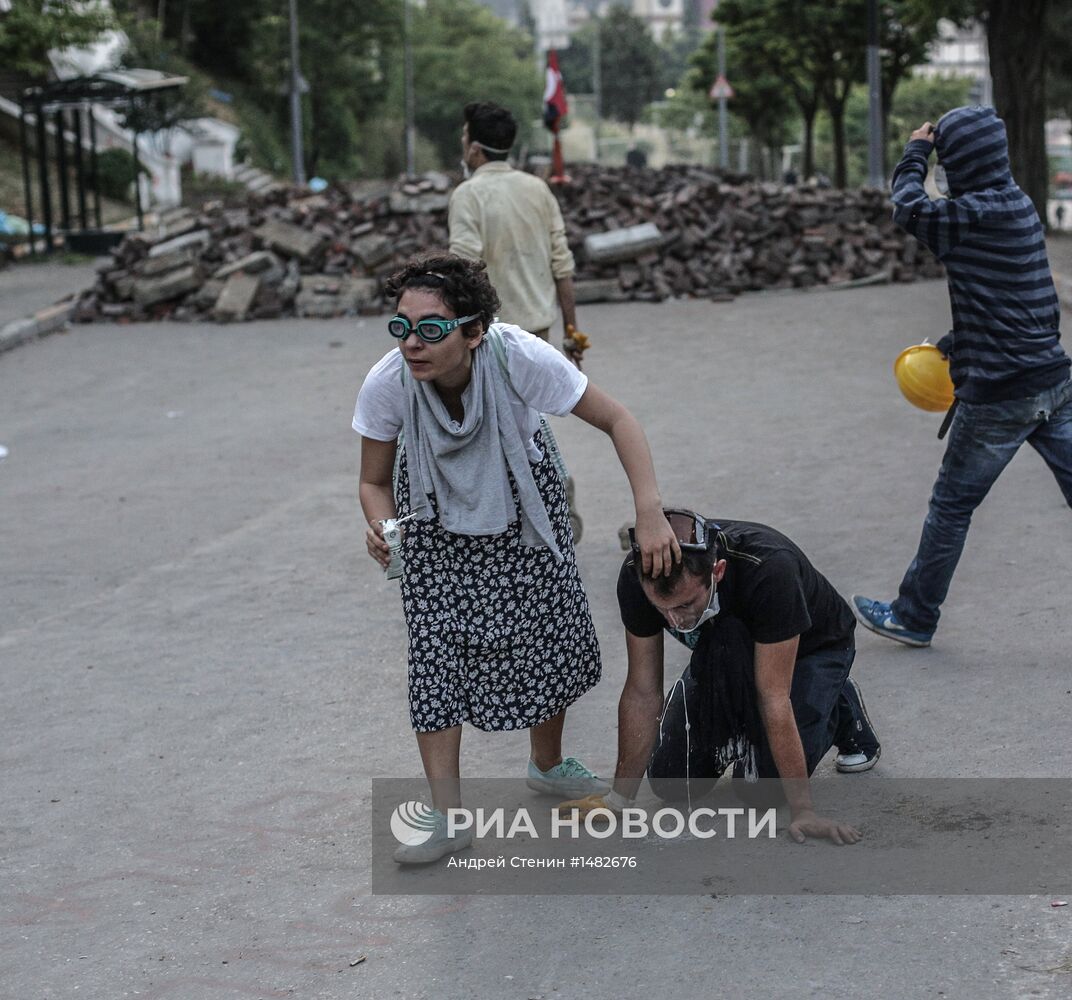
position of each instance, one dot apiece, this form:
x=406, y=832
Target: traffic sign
x=720, y=89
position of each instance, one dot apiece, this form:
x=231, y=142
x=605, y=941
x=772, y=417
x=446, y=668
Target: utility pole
x=297, y=153
x=723, y=122
x=410, y=112
x=597, y=78
x=875, y=171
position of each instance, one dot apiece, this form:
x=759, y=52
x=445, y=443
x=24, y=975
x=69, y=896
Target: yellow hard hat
x=923, y=376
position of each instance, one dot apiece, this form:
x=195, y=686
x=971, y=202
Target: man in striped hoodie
x=1009, y=369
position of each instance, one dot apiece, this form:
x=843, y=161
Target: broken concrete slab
x=290, y=240
x=438, y=181
x=360, y=292
x=324, y=296
x=598, y=290
x=152, y=266
x=124, y=286
x=288, y=287
x=148, y=291
x=200, y=238
x=178, y=225
x=207, y=294
x=622, y=244
x=408, y=204
x=372, y=250
x=253, y=263
x=237, y=296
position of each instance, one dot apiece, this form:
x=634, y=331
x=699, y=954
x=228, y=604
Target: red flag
x=555, y=108
x=555, y=105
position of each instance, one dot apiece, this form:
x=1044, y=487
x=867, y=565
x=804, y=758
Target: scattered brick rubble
x=637, y=234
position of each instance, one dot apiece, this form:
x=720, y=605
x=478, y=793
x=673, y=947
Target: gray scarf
x=466, y=466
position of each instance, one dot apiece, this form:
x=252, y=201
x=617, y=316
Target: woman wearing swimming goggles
x=500, y=630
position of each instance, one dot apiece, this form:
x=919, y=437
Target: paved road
x=202, y=671
x=31, y=285
x=1059, y=247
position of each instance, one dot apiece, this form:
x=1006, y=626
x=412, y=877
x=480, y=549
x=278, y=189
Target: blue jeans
x=982, y=441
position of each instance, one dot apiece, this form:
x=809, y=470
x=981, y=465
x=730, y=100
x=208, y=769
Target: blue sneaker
x=568, y=780
x=878, y=616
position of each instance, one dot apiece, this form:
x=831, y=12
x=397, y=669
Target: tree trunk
x=185, y=35
x=807, y=160
x=1017, y=41
x=888, y=89
x=885, y=144
x=836, y=109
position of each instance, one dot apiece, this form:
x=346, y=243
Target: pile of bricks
x=637, y=234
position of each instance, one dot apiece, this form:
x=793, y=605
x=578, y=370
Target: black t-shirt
x=769, y=585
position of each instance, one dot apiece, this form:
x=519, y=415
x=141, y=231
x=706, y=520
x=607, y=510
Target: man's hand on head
x=925, y=131
x=807, y=823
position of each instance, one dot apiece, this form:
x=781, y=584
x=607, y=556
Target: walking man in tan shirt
x=511, y=221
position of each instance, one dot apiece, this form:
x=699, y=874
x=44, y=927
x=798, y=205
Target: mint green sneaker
x=422, y=849
x=568, y=780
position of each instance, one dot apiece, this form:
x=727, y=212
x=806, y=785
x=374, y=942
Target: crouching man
x=767, y=690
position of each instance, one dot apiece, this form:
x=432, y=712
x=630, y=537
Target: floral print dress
x=500, y=635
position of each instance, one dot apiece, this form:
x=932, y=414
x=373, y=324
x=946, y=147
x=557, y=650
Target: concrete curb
x=40, y=324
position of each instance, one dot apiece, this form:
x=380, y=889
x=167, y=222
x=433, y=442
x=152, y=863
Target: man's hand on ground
x=586, y=805
x=808, y=824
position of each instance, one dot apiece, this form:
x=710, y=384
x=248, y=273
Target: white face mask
x=709, y=612
x=941, y=182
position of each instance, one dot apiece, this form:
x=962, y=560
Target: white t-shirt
x=544, y=379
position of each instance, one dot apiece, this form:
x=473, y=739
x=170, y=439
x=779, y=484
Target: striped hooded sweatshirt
x=1005, y=341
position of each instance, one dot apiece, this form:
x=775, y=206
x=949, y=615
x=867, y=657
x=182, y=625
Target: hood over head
x=973, y=150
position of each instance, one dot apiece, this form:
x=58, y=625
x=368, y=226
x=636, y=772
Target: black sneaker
x=858, y=745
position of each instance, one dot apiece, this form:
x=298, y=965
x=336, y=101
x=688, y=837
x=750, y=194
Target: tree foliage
x=631, y=64
x=773, y=36
x=819, y=50
x=761, y=98
x=351, y=56
x=32, y=27
x=916, y=100
x=160, y=112
x=1018, y=46
x=1059, y=66
x=463, y=53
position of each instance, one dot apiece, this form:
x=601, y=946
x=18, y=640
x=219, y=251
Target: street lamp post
x=723, y=122
x=297, y=153
x=875, y=170
x=597, y=79
x=410, y=112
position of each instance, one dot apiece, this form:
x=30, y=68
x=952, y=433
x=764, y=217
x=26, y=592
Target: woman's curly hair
x=462, y=284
